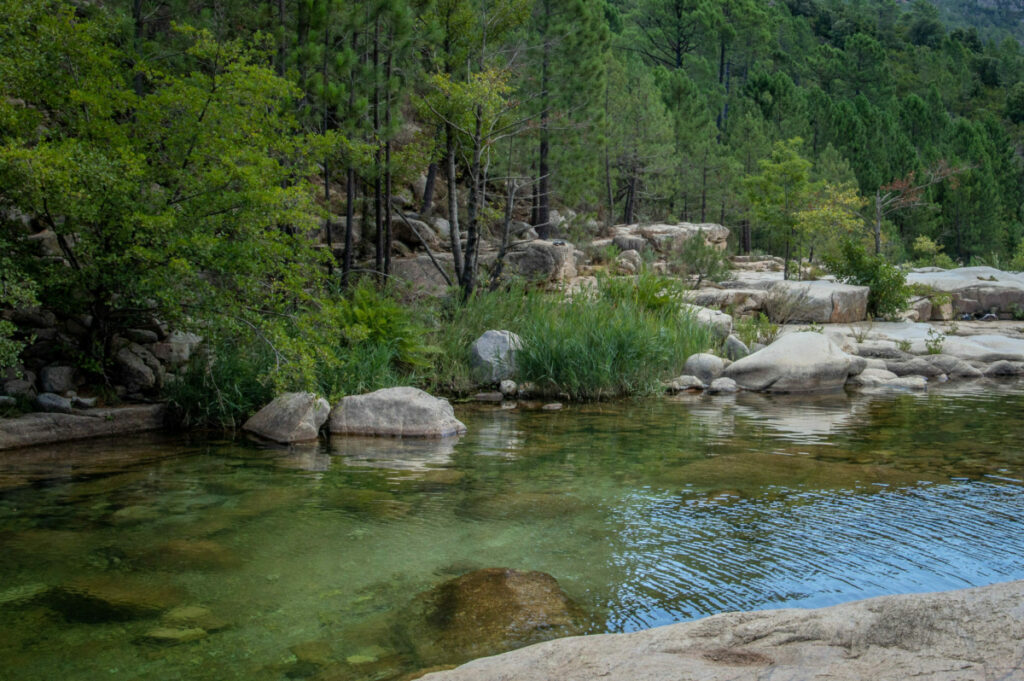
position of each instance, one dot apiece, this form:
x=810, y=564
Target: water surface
x=307, y=560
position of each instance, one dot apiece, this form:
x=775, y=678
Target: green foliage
x=929, y=254
x=934, y=342
x=610, y=346
x=937, y=297
x=756, y=329
x=186, y=202
x=854, y=265
x=698, y=259
x=904, y=344
x=16, y=291
x=646, y=291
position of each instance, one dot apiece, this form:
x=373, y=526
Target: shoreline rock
x=968, y=634
x=45, y=428
x=395, y=412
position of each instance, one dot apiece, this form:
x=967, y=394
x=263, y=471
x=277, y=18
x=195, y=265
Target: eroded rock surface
x=395, y=412
x=290, y=418
x=962, y=635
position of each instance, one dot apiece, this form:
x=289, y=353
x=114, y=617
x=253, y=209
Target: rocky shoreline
x=969, y=634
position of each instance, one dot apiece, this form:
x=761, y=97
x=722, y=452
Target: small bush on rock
x=854, y=265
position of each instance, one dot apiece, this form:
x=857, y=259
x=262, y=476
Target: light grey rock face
x=546, y=261
x=629, y=262
x=740, y=300
x=39, y=429
x=57, y=379
x=685, y=382
x=723, y=385
x=138, y=369
x=395, y=412
x=720, y=322
x=704, y=366
x=975, y=289
x=735, y=348
x=797, y=362
x=492, y=356
x=822, y=302
x=668, y=238
x=52, y=404
x=880, y=378
x=412, y=236
x=19, y=387
x=959, y=635
x=1004, y=368
x=918, y=366
x=177, y=349
x=290, y=418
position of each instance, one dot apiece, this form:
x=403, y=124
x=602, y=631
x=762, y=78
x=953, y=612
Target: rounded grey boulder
x=395, y=412
x=493, y=356
x=705, y=366
x=797, y=362
x=290, y=418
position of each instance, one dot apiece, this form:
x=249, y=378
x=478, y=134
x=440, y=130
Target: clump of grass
x=621, y=339
x=609, y=345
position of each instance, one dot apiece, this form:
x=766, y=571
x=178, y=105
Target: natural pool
x=647, y=513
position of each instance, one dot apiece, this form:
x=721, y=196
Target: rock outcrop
x=395, y=412
x=797, y=362
x=822, y=302
x=668, y=238
x=976, y=290
x=291, y=418
x=542, y=261
x=41, y=429
x=970, y=634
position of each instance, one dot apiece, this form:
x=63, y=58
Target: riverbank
x=970, y=634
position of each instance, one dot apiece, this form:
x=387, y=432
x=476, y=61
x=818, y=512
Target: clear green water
x=646, y=513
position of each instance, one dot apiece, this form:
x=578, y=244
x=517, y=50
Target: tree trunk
x=388, y=236
x=282, y=46
x=746, y=237
x=350, y=211
x=378, y=190
x=428, y=190
x=878, y=222
x=453, y=202
x=140, y=26
x=627, y=212
x=543, y=217
x=473, y=209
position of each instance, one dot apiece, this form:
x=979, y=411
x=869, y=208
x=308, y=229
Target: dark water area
x=165, y=557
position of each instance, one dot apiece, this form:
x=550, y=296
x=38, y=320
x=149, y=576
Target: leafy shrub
x=854, y=265
x=757, y=329
x=929, y=254
x=696, y=258
x=352, y=344
x=934, y=342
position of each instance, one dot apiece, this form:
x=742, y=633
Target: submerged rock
x=290, y=418
x=395, y=412
x=112, y=599
x=489, y=611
